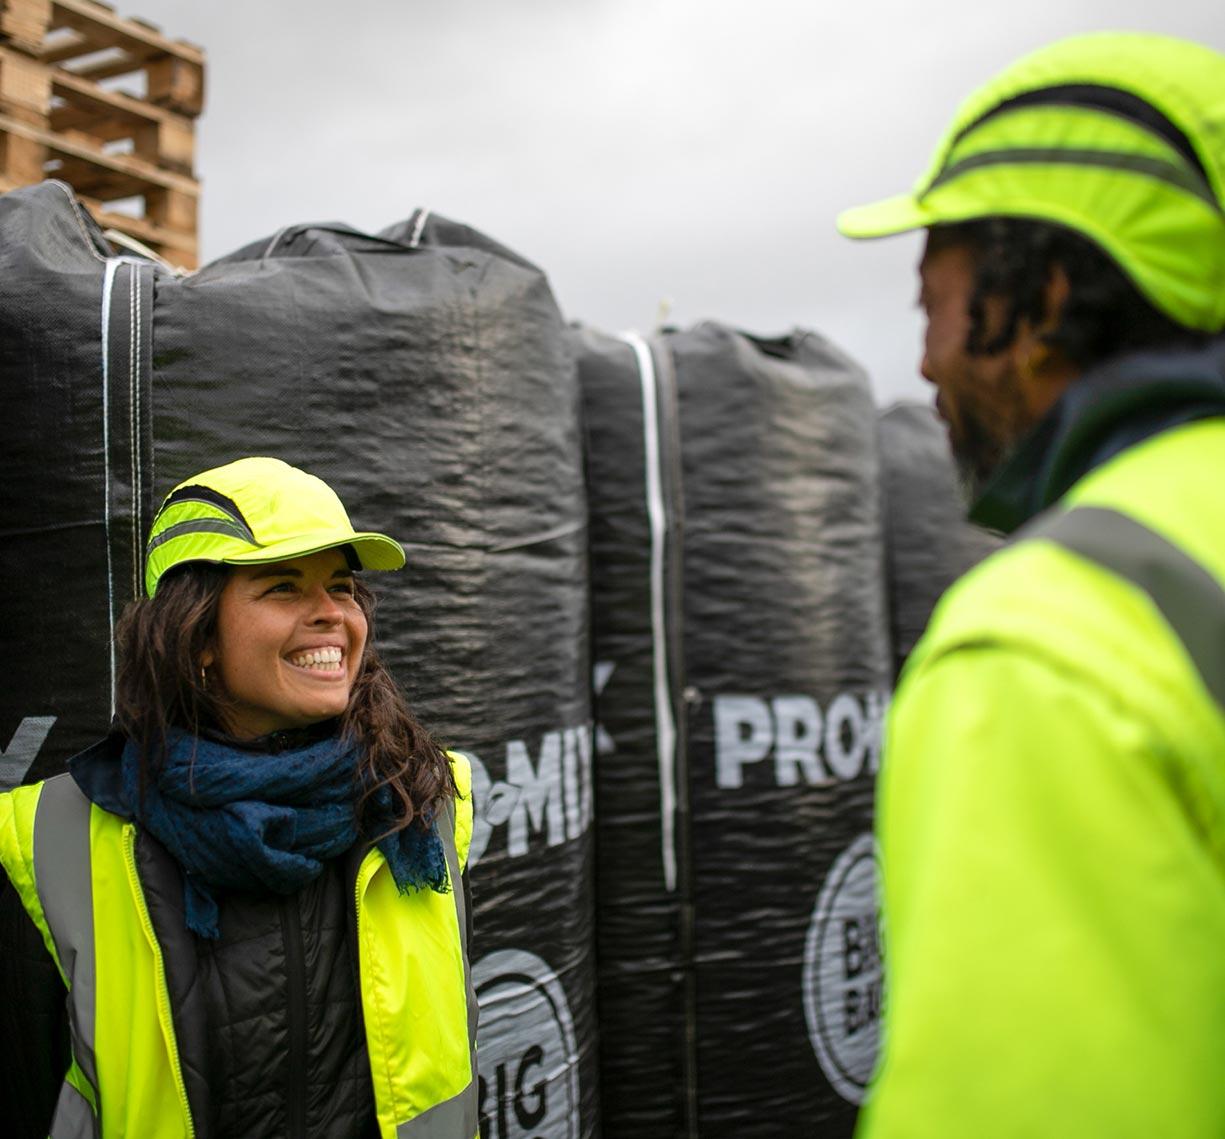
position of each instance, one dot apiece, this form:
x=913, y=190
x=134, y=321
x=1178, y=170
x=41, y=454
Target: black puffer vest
x=268, y=1018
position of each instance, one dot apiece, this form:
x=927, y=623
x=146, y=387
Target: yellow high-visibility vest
x=74, y=866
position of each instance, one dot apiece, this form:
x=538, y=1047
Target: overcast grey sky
x=642, y=152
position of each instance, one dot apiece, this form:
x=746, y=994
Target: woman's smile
x=325, y=661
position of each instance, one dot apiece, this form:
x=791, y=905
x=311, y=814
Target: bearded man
x=1052, y=802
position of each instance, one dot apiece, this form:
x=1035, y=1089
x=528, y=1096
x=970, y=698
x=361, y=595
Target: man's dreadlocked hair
x=1104, y=315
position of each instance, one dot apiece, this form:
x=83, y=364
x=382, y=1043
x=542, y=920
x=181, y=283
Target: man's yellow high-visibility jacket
x=1052, y=823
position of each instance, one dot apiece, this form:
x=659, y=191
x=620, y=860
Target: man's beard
x=977, y=454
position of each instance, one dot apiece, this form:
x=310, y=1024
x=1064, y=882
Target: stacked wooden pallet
x=107, y=105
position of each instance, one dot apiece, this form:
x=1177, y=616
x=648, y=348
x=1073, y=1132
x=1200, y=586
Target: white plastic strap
x=657, y=515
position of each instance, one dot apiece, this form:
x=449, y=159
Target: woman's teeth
x=325, y=660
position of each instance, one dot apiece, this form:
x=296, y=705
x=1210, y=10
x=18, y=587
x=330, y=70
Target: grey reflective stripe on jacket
x=1188, y=596
x=454, y=1118
x=73, y=1118
x=65, y=892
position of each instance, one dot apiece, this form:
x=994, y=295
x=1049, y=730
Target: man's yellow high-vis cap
x=1117, y=135
x=254, y=511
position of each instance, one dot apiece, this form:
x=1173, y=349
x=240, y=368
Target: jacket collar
x=96, y=771
x=1111, y=407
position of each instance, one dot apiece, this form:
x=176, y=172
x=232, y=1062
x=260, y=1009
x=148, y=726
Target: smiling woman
x=260, y=871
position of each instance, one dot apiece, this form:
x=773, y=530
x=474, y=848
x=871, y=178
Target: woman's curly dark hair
x=160, y=642
x=1104, y=315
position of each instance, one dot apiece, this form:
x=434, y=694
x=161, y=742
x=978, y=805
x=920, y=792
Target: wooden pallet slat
x=120, y=62
x=88, y=16
x=159, y=135
x=21, y=158
x=129, y=166
x=176, y=83
x=174, y=68
x=68, y=48
x=170, y=143
x=24, y=23
x=25, y=87
x=172, y=209
x=179, y=248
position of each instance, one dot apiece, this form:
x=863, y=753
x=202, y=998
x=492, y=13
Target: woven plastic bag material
x=736, y=906
x=644, y=986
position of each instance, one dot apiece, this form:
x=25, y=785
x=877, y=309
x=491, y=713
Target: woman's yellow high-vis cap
x=254, y=511
x=1117, y=135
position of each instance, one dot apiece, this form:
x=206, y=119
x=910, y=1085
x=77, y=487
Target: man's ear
x=1044, y=372
x=1055, y=297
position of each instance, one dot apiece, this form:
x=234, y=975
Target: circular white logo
x=526, y=1051
x=842, y=971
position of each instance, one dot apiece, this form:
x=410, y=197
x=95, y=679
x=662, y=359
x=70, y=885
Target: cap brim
x=374, y=551
x=899, y=214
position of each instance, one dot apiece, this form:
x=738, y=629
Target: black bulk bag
x=75, y=472
x=735, y=868
x=645, y=979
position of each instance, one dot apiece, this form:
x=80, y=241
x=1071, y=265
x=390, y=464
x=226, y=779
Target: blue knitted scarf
x=253, y=822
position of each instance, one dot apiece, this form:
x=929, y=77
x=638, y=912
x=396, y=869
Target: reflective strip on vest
x=454, y=1118
x=457, y=1116
x=74, y=1118
x=65, y=891
x=1187, y=595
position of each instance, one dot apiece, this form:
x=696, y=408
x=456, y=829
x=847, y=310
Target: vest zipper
x=163, y=993
x=295, y=973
